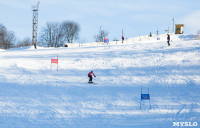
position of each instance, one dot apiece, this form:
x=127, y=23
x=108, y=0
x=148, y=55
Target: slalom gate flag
x=54, y=61
x=145, y=97
x=106, y=40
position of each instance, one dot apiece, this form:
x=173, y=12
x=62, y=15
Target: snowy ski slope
x=32, y=96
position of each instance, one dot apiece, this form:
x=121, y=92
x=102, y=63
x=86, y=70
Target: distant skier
x=150, y=35
x=122, y=39
x=35, y=46
x=168, y=39
x=90, y=76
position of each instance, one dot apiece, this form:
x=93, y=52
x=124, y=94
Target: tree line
x=57, y=34
x=53, y=34
x=7, y=38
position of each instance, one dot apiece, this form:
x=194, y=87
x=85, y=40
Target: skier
x=168, y=39
x=150, y=35
x=90, y=76
x=35, y=46
x=122, y=39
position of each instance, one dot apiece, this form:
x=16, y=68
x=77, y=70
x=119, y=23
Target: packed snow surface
x=33, y=96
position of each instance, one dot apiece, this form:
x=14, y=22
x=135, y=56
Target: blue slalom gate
x=145, y=96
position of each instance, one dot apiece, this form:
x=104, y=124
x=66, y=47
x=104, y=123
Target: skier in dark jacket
x=168, y=39
x=90, y=76
x=122, y=39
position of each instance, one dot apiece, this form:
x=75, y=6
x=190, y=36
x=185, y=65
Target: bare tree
x=70, y=30
x=2, y=36
x=51, y=35
x=45, y=36
x=56, y=34
x=25, y=42
x=7, y=38
x=101, y=36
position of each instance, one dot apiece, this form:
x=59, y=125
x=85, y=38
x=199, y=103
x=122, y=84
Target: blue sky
x=135, y=17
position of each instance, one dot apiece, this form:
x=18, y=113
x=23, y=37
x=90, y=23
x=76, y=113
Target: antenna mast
x=173, y=25
x=35, y=24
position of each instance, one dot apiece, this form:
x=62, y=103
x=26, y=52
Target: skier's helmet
x=91, y=71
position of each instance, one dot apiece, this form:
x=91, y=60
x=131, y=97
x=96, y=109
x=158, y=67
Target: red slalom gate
x=54, y=61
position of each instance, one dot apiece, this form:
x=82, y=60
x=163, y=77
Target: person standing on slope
x=122, y=39
x=168, y=39
x=90, y=76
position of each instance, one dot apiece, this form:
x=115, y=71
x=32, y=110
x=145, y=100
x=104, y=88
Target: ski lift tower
x=35, y=24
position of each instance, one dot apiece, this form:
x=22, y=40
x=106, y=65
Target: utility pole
x=35, y=24
x=102, y=40
x=173, y=25
x=157, y=32
x=168, y=29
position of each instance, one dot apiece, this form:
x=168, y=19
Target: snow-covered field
x=32, y=96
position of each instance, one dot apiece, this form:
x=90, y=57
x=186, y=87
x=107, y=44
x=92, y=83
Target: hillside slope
x=32, y=95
